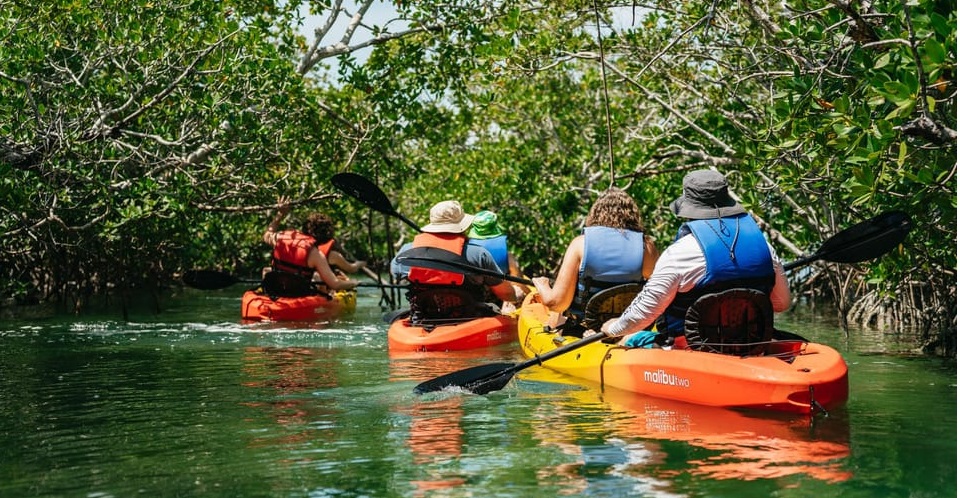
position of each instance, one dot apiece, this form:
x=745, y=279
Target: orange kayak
x=793, y=376
x=471, y=334
x=260, y=307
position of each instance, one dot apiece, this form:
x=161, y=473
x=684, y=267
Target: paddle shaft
x=458, y=267
x=539, y=359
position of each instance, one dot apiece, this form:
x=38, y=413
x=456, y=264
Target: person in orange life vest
x=308, y=252
x=612, y=250
x=719, y=247
x=446, y=230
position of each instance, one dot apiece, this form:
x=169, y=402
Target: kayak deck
x=471, y=334
x=793, y=376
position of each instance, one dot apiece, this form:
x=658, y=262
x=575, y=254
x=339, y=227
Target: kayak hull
x=814, y=378
x=259, y=307
x=472, y=334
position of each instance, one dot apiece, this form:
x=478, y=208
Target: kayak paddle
x=483, y=379
x=865, y=240
x=367, y=192
x=441, y=259
x=214, y=280
x=487, y=378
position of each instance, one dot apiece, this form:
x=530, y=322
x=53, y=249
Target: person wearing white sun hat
x=719, y=247
x=462, y=291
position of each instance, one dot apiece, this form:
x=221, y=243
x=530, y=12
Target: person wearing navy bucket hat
x=718, y=247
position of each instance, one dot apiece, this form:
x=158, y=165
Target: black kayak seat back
x=609, y=303
x=277, y=283
x=443, y=302
x=734, y=321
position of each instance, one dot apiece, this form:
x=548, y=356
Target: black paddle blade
x=868, y=239
x=208, y=279
x=367, y=192
x=481, y=379
x=363, y=190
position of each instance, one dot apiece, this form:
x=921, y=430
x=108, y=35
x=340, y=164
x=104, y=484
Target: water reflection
x=288, y=376
x=436, y=435
x=720, y=444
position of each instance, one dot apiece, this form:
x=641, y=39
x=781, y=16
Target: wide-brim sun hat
x=448, y=217
x=485, y=226
x=705, y=196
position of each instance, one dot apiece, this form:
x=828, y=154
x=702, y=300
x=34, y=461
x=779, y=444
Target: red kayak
x=260, y=307
x=461, y=335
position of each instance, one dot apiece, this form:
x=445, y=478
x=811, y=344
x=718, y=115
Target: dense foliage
x=132, y=150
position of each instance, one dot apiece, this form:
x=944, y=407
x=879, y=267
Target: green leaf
x=934, y=51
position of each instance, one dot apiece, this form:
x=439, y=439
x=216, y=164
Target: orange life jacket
x=292, y=250
x=454, y=243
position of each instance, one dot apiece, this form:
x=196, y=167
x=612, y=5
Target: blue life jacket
x=737, y=256
x=611, y=256
x=498, y=249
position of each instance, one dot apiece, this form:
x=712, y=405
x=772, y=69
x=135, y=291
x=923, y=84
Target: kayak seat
x=735, y=322
x=445, y=304
x=609, y=303
x=278, y=283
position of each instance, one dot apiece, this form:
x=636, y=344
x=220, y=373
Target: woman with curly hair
x=612, y=250
x=308, y=252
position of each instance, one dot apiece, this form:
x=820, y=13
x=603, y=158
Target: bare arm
x=335, y=258
x=780, y=295
x=650, y=256
x=318, y=262
x=505, y=291
x=559, y=297
x=283, y=208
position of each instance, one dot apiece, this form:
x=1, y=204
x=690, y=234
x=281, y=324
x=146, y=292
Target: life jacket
x=292, y=249
x=498, y=249
x=439, y=294
x=453, y=243
x=737, y=256
x=611, y=257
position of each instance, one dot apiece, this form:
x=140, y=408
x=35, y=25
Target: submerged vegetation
x=131, y=150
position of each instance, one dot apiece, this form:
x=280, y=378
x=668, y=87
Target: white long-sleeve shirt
x=679, y=269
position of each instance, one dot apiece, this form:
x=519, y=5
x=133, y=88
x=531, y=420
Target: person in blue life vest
x=719, y=247
x=447, y=230
x=612, y=250
x=487, y=232
x=309, y=252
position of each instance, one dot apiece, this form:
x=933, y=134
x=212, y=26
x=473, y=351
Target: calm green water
x=191, y=402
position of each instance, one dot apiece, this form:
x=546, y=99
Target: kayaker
x=308, y=252
x=447, y=230
x=720, y=247
x=612, y=250
x=487, y=232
